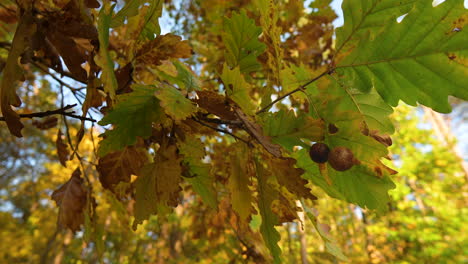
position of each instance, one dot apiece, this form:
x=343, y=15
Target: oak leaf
x=71, y=200
x=13, y=73
x=164, y=47
x=118, y=166
x=239, y=181
x=62, y=149
x=157, y=187
x=290, y=177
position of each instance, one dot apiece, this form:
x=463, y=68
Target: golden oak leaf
x=285, y=209
x=290, y=177
x=118, y=166
x=71, y=200
x=157, y=188
x=62, y=149
x=239, y=180
x=164, y=47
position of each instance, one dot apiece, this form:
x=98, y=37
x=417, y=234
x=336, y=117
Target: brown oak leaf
x=62, y=149
x=164, y=47
x=71, y=200
x=290, y=177
x=118, y=166
x=216, y=104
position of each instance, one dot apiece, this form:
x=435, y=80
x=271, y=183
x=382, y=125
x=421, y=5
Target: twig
x=223, y=131
x=221, y=121
x=300, y=88
x=61, y=111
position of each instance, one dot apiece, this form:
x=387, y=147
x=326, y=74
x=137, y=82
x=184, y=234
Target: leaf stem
x=300, y=88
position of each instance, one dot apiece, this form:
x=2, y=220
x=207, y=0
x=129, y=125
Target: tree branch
x=221, y=121
x=61, y=111
x=223, y=131
x=300, y=88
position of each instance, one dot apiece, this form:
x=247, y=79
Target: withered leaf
x=71, y=54
x=62, y=149
x=285, y=209
x=290, y=177
x=13, y=73
x=46, y=123
x=71, y=200
x=124, y=79
x=216, y=104
x=164, y=47
x=118, y=166
x=255, y=130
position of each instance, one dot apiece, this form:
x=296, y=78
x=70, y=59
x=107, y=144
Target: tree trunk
x=302, y=235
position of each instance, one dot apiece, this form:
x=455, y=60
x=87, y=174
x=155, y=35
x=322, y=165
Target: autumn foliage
x=217, y=118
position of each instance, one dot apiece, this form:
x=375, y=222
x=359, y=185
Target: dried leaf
x=118, y=166
x=164, y=47
x=71, y=200
x=13, y=73
x=46, y=123
x=290, y=177
x=62, y=149
x=215, y=104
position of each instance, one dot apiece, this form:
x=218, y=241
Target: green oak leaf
x=371, y=18
x=240, y=36
x=338, y=103
x=287, y=129
x=357, y=185
x=186, y=76
x=150, y=25
x=103, y=59
x=174, y=102
x=422, y=60
x=129, y=10
x=193, y=151
x=157, y=187
x=132, y=117
x=266, y=195
x=238, y=89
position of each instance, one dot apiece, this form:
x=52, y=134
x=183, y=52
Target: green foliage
x=242, y=44
x=266, y=195
x=408, y=64
x=132, y=117
x=103, y=59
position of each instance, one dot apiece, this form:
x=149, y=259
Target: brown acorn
x=319, y=152
x=341, y=158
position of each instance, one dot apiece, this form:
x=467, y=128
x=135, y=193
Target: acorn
x=319, y=152
x=341, y=158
